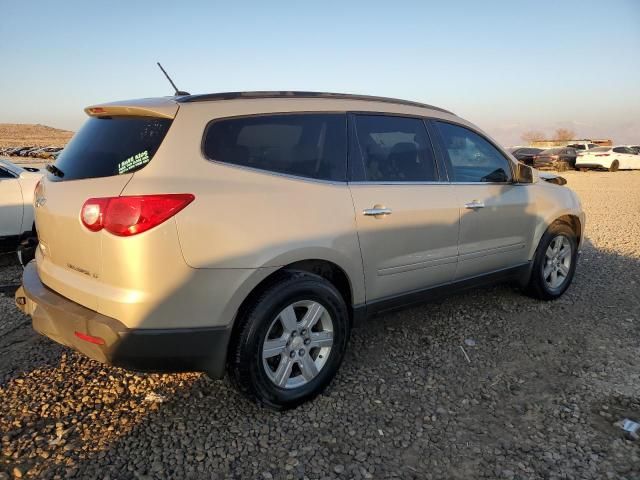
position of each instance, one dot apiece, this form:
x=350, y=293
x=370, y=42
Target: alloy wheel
x=298, y=344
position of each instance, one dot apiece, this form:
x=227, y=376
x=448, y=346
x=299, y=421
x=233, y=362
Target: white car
x=583, y=145
x=17, y=185
x=609, y=158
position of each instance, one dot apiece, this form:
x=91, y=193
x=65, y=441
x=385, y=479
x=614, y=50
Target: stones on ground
x=524, y=408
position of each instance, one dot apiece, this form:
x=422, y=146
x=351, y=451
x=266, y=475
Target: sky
x=508, y=66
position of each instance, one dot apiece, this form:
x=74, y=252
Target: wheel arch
x=330, y=271
x=568, y=217
x=326, y=269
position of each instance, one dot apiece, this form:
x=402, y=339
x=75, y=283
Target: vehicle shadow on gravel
x=537, y=398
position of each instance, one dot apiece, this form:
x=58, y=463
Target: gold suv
x=248, y=232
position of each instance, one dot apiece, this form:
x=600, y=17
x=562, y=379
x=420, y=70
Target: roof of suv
x=168, y=106
x=294, y=94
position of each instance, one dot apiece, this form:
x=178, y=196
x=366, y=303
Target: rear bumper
x=156, y=350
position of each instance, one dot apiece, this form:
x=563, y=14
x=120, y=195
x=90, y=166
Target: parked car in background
x=17, y=185
x=21, y=151
x=615, y=158
x=12, y=151
x=47, y=152
x=260, y=248
x=583, y=145
x=559, y=158
x=526, y=154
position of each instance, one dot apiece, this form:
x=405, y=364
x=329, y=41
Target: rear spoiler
x=144, y=107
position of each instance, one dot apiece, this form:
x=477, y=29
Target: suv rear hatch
x=98, y=162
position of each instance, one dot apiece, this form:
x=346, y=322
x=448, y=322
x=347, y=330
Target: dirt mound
x=19, y=134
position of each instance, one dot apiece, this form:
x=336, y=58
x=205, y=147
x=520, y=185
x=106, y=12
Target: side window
x=395, y=149
x=5, y=174
x=619, y=150
x=472, y=157
x=305, y=145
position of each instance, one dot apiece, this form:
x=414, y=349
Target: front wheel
x=290, y=341
x=555, y=262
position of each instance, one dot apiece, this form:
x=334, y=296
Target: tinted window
x=5, y=174
x=395, y=149
x=620, y=150
x=601, y=149
x=111, y=146
x=592, y=145
x=472, y=157
x=306, y=145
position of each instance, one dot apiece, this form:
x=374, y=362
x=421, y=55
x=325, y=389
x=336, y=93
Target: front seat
x=405, y=162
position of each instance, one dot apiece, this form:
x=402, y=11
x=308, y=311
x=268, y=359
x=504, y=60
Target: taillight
x=92, y=213
x=126, y=216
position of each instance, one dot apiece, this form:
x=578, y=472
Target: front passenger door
x=496, y=218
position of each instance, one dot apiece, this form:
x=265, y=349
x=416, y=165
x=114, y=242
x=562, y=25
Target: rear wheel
x=290, y=341
x=555, y=262
x=614, y=166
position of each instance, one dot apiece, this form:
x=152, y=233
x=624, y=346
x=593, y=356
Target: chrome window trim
x=433, y=183
x=366, y=182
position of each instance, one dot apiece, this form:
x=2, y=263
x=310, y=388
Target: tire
x=614, y=166
x=541, y=284
x=304, y=294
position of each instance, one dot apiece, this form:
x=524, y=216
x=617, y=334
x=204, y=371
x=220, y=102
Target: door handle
x=474, y=205
x=377, y=210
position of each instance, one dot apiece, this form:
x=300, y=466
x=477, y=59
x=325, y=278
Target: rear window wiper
x=55, y=170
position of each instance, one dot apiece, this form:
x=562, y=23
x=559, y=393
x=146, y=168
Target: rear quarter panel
x=249, y=219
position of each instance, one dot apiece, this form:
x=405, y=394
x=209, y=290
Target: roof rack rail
x=291, y=94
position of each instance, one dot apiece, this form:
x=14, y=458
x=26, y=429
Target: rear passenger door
x=407, y=217
x=496, y=221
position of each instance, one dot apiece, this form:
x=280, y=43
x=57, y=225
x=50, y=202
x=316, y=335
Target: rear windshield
x=600, y=149
x=551, y=151
x=111, y=146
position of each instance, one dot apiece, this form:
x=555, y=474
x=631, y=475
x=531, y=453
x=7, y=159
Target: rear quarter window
x=306, y=145
x=108, y=146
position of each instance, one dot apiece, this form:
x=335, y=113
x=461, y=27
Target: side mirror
x=524, y=173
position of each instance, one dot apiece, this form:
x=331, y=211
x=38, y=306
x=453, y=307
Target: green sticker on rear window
x=133, y=162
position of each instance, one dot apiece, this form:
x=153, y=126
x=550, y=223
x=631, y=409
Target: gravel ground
x=537, y=399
